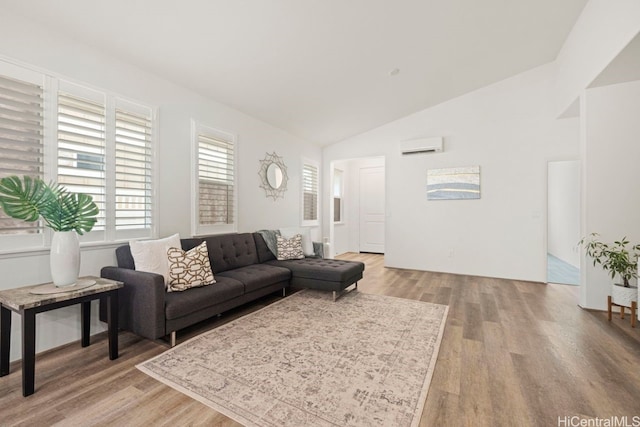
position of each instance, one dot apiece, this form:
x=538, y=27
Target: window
x=133, y=168
x=85, y=139
x=102, y=148
x=81, y=146
x=21, y=144
x=309, y=193
x=214, y=189
x=338, y=191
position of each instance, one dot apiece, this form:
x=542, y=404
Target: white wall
x=610, y=152
x=509, y=130
x=23, y=41
x=563, y=219
x=604, y=28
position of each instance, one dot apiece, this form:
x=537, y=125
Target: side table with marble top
x=31, y=300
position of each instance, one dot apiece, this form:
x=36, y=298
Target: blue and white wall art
x=453, y=183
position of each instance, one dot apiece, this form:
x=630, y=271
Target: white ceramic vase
x=65, y=258
x=623, y=296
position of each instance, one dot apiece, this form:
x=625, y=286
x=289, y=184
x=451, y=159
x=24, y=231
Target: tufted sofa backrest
x=125, y=259
x=226, y=251
x=264, y=254
x=229, y=251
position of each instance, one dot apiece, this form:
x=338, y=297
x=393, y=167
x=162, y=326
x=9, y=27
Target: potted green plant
x=619, y=258
x=67, y=214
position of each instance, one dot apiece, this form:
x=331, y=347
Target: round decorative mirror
x=273, y=174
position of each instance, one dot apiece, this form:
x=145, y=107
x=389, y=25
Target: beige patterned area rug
x=364, y=360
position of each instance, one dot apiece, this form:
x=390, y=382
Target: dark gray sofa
x=244, y=269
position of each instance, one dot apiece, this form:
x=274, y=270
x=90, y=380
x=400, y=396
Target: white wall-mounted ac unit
x=421, y=145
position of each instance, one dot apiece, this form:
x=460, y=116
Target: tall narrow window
x=215, y=189
x=133, y=168
x=309, y=193
x=338, y=191
x=21, y=140
x=81, y=147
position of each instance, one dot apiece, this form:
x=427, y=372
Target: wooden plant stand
x=634, y=307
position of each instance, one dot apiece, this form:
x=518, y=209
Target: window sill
x=29, y=252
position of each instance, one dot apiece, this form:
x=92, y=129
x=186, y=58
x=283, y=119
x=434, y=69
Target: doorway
x=357, y=212
x=563, y=222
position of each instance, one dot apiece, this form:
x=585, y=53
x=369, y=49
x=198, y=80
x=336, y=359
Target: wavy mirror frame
x=264, y=166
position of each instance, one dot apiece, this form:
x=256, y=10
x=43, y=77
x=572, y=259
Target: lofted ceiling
x=625, y=67
x=320, y=69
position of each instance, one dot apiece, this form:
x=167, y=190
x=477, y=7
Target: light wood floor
x=513, y=354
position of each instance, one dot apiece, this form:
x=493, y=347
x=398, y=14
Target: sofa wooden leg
x=284, y=292
x=173, y=339
x=334, y=296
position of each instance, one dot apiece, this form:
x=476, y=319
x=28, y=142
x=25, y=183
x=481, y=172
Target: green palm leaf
x=25, y=200
x=31, y=198
x=76, y=211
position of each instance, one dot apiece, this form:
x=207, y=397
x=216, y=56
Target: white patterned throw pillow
x=290, y=248
x=189, y=269
x=307, y=243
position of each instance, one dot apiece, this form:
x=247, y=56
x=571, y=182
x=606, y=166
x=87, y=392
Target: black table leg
x=85, y=320
x=112, y=319
x=5, y=340
x=28, y=351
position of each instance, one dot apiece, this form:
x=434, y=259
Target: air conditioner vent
x=421, y=145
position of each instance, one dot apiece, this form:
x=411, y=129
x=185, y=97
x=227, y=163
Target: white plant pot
x=623, y=296
x=65, y=258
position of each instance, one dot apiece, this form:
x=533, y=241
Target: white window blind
x=21, y=140
x=133, y=167
x=309, y=192
x=81, y=148
x=216, y=179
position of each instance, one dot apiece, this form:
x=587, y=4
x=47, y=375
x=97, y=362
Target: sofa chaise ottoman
x=315, y=272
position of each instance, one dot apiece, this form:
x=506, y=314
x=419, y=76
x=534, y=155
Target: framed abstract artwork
x=453, y=183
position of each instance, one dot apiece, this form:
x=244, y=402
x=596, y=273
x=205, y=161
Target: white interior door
x=372, y=202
